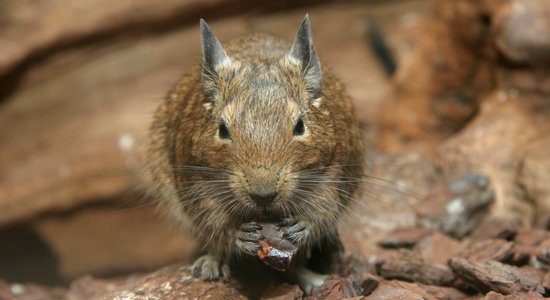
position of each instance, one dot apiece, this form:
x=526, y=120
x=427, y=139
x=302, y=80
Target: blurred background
x=79, y=81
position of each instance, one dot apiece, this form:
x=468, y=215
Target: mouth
x=264, y=214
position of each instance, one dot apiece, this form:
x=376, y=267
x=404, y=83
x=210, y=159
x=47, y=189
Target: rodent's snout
x=263, y=186
x=263, y=199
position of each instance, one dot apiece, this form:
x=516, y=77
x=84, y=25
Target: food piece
x=275, y=251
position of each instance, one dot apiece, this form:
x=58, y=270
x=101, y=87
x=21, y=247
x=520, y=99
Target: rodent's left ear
x=303, y=52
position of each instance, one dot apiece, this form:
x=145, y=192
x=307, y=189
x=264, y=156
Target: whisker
x=379, y=182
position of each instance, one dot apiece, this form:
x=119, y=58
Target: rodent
x=260, y=130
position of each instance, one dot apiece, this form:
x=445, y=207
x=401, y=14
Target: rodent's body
x=250, y=136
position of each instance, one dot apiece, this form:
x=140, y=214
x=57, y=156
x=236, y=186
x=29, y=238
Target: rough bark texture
x=474, y=97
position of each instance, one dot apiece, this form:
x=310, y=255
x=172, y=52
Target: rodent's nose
x=263, y=200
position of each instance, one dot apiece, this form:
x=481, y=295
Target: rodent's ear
x=213, y=55
x=303, y=52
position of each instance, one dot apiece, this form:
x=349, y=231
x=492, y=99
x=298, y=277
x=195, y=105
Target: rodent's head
x=267, y=122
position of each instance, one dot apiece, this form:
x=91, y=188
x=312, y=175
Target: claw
x=251, y=227
x=287, y=222
x=296, y=228
x=248, y=238
x=208, y=267
x=295, y=231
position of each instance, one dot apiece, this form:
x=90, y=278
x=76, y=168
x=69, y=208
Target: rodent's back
x=257, y=123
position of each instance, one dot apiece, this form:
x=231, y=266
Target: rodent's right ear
x=213, y=55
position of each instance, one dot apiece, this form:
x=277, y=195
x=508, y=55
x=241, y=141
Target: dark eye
x=299, y=128
x=223, y=131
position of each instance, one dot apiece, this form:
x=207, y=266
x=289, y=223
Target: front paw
x=248, y=238
x=208, y=267
x=295, y=231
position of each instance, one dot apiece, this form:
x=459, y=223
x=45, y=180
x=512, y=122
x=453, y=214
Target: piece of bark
x=357, y=265
x=532, y=237
x=415, y=291
x=133, y=246
x=544, y=252
x=486, y=250
x=546, y=280
x=495, y=276
x=520, y=30
x=283, y=291
x=526, y=245
x=435, y=91
x=361, y=271
x=174, y=282
x=407, y=265
x=496, y=228
x=523, y=296
x=275, y=251
x=533, y=177
x=49, y=26
x=335, y=288
x=404, y=237
x=543, y=220
x=521, y=254
x=88, y=287
x=437, y=248
x=535, y=273
x=367, y=283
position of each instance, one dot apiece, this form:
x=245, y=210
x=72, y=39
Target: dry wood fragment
x=404, y=237
x=544, y=252
x=524, y=296
x=486, y=250
x=361, y=271
x=497, y=228
x=527, y=245
x=414, y=291
x=546, y=281
x=407, y=265
x=437, y=248
x=336, y=288
x=368, y=283
x=495, y=276
x=283, y=291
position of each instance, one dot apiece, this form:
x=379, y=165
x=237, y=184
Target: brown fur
x=260, y=94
